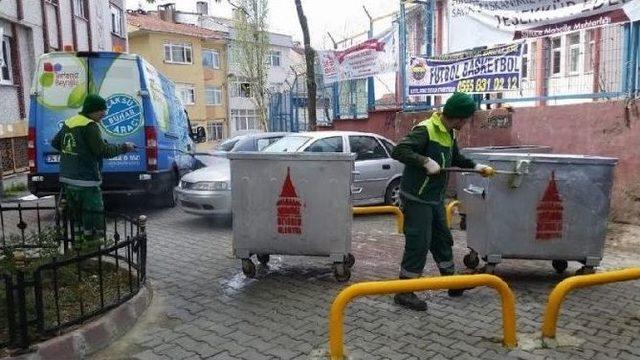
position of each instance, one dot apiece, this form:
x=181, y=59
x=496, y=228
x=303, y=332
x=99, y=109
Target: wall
x=217, y=77
x=598, y=128
x=603, y=128
x=151, y=47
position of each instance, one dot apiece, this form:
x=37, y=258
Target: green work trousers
x=86, y=210
x=425, y=229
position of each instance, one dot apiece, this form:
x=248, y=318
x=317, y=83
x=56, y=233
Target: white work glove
x=432, y=166
x=129, y=146
x=485, y=171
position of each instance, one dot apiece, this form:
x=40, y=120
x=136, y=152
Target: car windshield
x=287, y=144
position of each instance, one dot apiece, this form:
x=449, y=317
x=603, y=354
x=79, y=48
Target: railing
x=336, y=314
x=575, y=282
x=394, y=210
x=48, y=286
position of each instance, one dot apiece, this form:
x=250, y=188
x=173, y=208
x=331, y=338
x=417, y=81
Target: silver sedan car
x=377, y=175
x=207, y=191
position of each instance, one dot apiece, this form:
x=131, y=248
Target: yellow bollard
x=450, y=209
x=369, y=210
x=336, y=315
x=558, y=294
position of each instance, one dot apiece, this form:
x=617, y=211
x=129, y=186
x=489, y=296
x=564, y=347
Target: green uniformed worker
x=430, y=146
x=82, y=150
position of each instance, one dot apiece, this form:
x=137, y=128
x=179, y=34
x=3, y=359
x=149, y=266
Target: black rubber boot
x=411, y=301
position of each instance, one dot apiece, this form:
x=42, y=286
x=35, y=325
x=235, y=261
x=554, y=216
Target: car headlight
x=211, y=186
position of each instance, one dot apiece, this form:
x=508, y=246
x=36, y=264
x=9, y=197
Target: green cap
x=459, y=106
x=93, y=103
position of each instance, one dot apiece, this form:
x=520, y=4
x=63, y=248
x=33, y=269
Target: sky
x=342, y=18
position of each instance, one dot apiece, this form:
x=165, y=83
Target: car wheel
x=392, y=195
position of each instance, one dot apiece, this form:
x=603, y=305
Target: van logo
x=124, y=115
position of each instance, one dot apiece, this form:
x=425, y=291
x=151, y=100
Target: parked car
x=142, y=108
x=207, y=191
x=377, y=175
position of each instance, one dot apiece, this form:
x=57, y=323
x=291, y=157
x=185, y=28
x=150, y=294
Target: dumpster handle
x=558, y=294
x=450, y=209
x=336, y=314
x=357, y=210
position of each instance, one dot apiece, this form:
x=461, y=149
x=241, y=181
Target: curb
x=93, y=336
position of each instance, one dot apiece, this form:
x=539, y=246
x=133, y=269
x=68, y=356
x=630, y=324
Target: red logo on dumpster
x=289, y=217
x=549, y=225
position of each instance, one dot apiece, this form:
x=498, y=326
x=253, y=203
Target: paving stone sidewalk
x=203, y=307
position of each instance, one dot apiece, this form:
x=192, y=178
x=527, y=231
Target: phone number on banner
x=489, y=84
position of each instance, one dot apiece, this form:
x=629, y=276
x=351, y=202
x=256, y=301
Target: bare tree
x=250, y=50
x=310, y=55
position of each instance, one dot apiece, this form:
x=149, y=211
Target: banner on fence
x=483, y=71
x=486, y=23
x=369, y=58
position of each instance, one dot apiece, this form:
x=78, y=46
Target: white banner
x=474, y=23
x=369, y=58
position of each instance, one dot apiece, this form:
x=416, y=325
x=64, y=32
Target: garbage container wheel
x=351, y=260
x=586, y=270
x=560, y=265
x=341, y=271
x=490, y=268
x=263, y=259
x=471, y=260
x=248, y=268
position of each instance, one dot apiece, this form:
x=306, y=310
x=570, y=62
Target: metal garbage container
x=456, y=181
x=292, y=204
x=553, y=207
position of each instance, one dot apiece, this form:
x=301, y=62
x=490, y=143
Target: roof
x=146, y=22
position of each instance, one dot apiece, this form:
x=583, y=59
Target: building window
x=573, y=49
x=117, y=26
x=241, y=89
x=5, y=61
x=214, y=95
x=178, y=53
x=186, y=93
x=274, y=58
x=211, y=59
x=80, y=8
x=202, y=8
x=590, y=48
x=556, y=55
x=244, y=119
x=215, y=131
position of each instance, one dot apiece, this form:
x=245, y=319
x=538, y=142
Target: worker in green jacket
x=429, y=147
x=82, y=150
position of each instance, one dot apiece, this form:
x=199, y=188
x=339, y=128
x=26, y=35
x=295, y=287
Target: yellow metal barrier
x=450, y=209
x=575, y=282
x=369, y=210
x=336, y=315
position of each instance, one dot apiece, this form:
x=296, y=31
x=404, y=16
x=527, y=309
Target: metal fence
x=48, y=286
x=587, y=65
